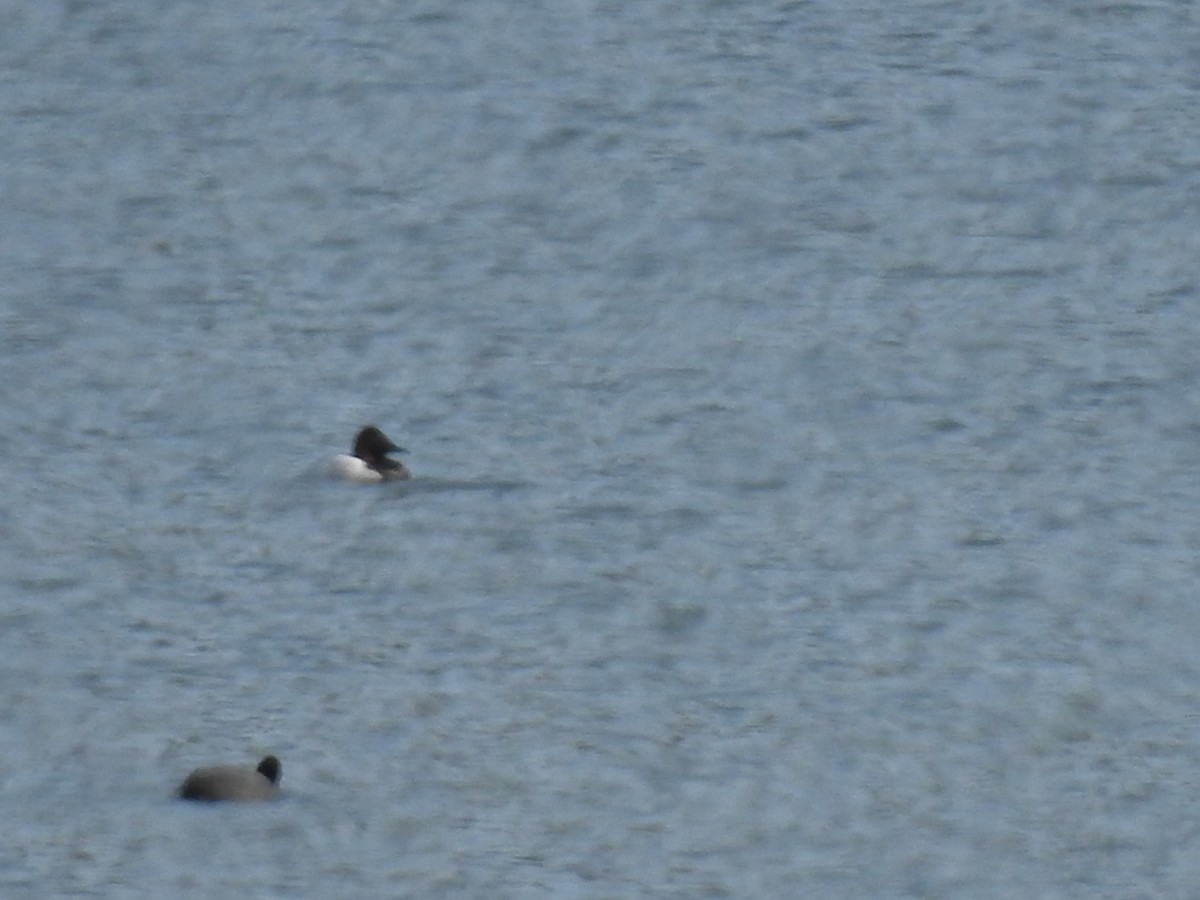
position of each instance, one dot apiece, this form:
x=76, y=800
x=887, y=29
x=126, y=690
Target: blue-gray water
x=803, y=409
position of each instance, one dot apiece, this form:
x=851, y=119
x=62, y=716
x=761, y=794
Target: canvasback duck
x=214, y=783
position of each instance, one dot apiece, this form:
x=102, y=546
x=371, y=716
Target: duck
x=370, y=461
x=214, y=783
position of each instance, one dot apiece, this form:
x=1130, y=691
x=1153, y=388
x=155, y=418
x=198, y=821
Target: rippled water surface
x=802, y=406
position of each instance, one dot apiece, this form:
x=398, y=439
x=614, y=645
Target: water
x=802, y=406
